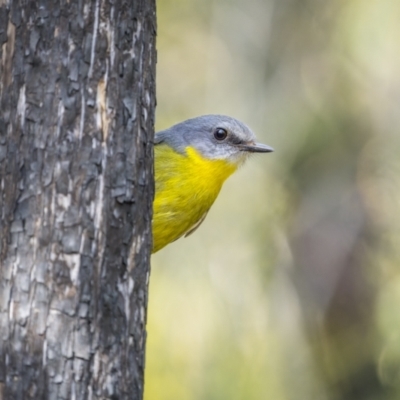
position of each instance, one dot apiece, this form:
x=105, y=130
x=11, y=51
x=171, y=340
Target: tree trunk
x=77, y=97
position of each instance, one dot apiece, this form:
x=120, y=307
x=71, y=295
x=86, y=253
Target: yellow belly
x=185, y=188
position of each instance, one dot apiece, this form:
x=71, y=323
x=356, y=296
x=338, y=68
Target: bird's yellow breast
x=186, y=185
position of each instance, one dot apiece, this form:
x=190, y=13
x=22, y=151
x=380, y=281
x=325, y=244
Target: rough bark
x=77, y=104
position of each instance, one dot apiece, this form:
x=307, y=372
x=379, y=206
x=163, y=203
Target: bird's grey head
x=214, y=137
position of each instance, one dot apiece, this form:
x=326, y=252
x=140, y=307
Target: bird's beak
x=255, y=148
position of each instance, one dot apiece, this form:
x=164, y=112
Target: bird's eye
x=220, y=134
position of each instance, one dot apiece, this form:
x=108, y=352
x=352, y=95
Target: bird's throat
x=209, y=172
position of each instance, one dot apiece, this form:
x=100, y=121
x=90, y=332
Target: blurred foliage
x=290, y=289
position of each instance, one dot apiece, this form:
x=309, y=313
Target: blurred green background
x=290, y=289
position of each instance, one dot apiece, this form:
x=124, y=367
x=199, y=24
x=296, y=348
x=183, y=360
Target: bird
x=192, y=160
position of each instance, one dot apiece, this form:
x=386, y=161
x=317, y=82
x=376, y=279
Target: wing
x=196, y=225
